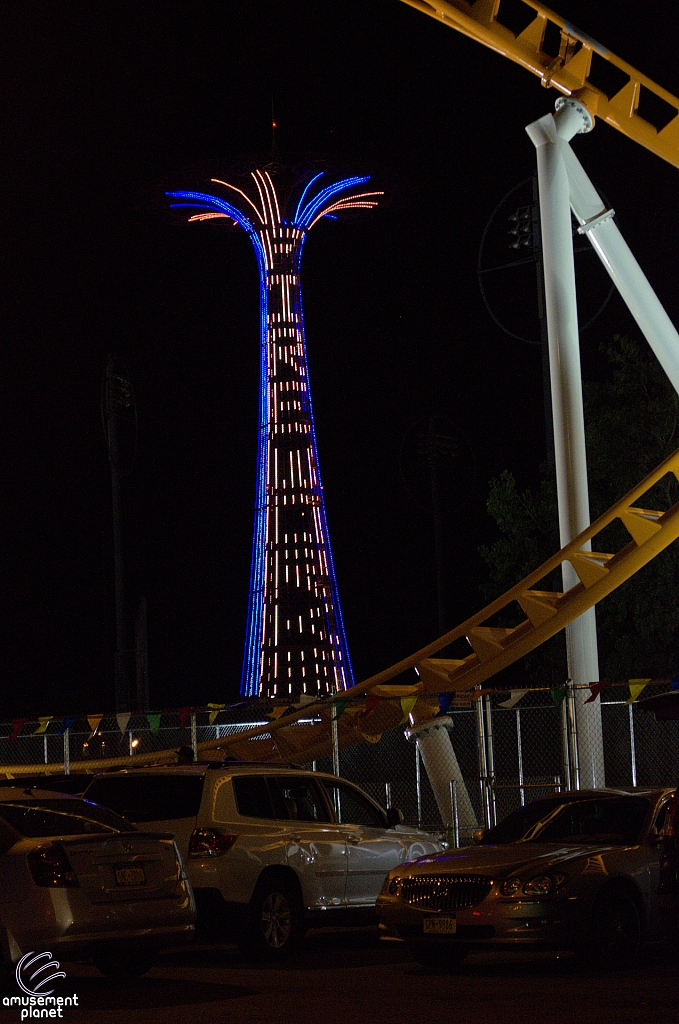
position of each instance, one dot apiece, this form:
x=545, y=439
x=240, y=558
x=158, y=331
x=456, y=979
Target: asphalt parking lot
x=348, y=976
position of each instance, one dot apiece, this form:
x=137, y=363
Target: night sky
x=105, y=105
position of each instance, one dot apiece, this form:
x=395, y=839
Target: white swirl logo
x=32, y=967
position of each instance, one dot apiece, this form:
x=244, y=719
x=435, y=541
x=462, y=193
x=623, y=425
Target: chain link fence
x=507, y=756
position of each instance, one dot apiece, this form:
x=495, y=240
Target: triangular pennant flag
x=514, y=699
x=340, y=707
x=557, y=695
x=674, y=682
x=445, y=700
x=123, y=718
x=371, y=702
x=407, y=705
x=16, y=728
x=635, y=688
x=154, y=721
x=43, y=722
x=94, y=721
x=184, y=716
x=594, y=691
x=216, y=708
x=68, y=722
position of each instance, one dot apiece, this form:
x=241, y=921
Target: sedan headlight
x=543, y=885
x=391, y=886
x=510, y=886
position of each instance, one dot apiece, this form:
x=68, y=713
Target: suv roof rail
x=226, y=763
x=233, y=761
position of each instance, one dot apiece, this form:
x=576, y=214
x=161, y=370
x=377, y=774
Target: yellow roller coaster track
x=568, y=71
x=493, y=647
x=546, y=611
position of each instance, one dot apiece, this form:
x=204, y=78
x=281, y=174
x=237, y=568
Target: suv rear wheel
x=274, y=925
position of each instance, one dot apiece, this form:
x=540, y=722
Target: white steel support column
x=551, y=136
x=441, y=764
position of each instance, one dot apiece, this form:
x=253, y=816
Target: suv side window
x=354, y=808
x=144, y=798
x=297, y=799
x=252, y=796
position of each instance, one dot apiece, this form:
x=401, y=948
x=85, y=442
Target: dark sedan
x=579, y=871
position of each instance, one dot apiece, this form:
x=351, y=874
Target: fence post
x=44, y=746
x=335, y=744
x=418, y=783
x=519, y=751
x=387, y=793
x=456, y=813
x=573, y=735
x=194, y=736
x=632, y=744
x=492, y=807
x=565, y=746
x=67, y=753
x=483, y=763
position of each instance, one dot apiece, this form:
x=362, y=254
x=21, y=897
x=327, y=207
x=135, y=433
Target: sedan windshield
x=612, y=820
x=61, y=818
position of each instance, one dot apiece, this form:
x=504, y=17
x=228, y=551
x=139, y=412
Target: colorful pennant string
x=94, y=721
x=594, y=691
x=43, y=722
x=16, y=728
x=558, y=694
x=371, y=702
x=635, y=688
x=514, y=699
x=407, y=705
x=123, y=718
x=339, y=708
x=154, y=721
x=216, y=708
x=445, y=700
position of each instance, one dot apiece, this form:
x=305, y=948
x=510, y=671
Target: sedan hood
x=502, y=859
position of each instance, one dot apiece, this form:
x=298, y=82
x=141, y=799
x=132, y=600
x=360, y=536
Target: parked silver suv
x=270, y=850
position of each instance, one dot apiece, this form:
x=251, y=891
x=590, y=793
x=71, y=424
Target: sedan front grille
x=445, y=892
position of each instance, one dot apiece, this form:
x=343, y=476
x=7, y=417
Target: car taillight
x=208, y=842
x=51, y=867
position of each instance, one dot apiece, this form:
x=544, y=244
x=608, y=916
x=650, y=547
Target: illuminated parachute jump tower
x=295, y=642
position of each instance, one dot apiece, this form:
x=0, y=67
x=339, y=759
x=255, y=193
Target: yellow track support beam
x=568, y=71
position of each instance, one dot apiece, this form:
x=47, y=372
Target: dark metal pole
x=142, y=657
x=117, y=397
x=433, y=458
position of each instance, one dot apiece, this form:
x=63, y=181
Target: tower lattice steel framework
x=295, y=642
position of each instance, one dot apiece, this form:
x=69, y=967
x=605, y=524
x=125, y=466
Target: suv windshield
x=613, y=820
x=149, y=797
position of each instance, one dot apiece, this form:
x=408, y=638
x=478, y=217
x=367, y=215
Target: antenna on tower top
x=276, y=163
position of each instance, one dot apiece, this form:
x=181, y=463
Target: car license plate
x=131, y=876
x=440, y=926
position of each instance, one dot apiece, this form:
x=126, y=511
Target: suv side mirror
x=394, y=817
